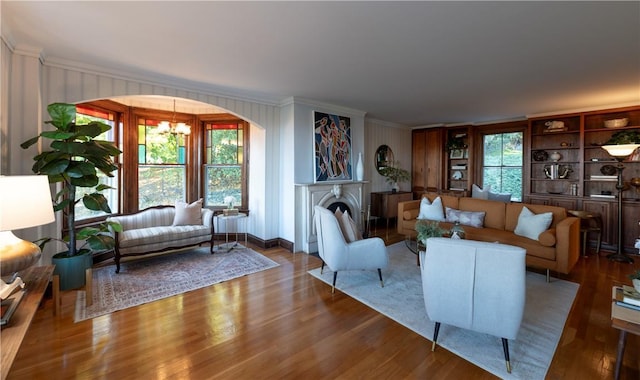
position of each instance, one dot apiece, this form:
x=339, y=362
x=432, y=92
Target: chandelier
x=174, y=127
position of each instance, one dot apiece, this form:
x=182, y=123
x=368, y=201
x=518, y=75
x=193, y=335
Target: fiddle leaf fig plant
x=74, y=158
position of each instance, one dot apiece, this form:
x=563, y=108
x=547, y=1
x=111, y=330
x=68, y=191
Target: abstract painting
x=332, y=147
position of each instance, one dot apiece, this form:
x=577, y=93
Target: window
x=161, y=165
x=225, y=164
x=502, y=163
x=84, y=115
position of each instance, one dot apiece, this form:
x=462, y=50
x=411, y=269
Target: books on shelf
x=609, y=196
x=459, y=167
x=605, y=177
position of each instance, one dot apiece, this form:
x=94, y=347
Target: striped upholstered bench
x=151, y=231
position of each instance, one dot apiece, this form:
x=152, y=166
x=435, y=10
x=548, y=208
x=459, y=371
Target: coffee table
x=414, y=246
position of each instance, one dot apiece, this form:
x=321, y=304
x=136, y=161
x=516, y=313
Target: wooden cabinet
x=459, y=163
x=384, y=204
x=426, y=160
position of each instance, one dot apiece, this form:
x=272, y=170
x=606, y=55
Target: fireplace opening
x=343, y=207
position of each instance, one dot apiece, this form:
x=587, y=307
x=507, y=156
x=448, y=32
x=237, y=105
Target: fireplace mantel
x=324, y=194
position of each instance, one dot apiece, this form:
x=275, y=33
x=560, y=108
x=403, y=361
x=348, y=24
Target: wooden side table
x=384, y=204
x=627, y=321
x=36, y=280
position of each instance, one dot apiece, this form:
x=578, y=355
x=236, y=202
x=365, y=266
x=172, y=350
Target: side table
x=36, y=280
x=232, y=221
x=627, y=321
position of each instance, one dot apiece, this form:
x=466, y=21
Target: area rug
x=401, y=299
x=151, y=279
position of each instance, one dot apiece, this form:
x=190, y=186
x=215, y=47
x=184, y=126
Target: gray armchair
x=338, y=255
x=474, y=285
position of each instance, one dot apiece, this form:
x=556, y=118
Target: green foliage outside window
x=224, y=159
x=502, y=163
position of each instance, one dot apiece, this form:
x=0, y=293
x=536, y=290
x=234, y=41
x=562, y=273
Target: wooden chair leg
x=380, y=275
x=333, y=287
x=322, y=267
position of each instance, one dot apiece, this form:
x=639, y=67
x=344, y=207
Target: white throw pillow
x=188, y=214
x=531, y=225
x=351, y=231
x=502, y=197
x=431, y=211
x=479, y=193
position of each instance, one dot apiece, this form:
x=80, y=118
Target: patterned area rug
x=151, y=279
x=546, y=311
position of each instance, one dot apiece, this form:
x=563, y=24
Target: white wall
x=398, y=138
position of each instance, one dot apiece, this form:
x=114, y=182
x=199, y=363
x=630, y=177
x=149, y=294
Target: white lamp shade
x=622, y=150
x=25, y=201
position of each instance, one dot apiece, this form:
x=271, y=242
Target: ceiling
x=412, y=63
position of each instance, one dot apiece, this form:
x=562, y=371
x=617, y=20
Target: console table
x=36, y=280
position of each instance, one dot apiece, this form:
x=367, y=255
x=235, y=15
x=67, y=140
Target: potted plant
x=394, y=174
x=74, y=159
x=427, y=229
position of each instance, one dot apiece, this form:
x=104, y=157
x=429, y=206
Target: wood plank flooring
x=283, y=323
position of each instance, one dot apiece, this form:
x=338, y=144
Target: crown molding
x=317, y=104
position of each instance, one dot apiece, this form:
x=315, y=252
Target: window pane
x=85, y=116
x=221, y=182
x=160, y=185
x=502, y=163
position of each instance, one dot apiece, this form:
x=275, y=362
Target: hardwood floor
x=283, y=323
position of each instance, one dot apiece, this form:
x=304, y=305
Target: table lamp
x=25, y=201
x=620, y=152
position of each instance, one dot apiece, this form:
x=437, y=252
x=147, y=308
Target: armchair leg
x=548, y=276
x=505, y=347
x=435, y=336
x=380, y=275
x=333, y=287
x=322, y=267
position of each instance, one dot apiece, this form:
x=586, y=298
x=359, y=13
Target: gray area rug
x=151, y=279
x=401, y=299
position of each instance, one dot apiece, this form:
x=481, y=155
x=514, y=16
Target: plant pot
x=72, y=269
x=636, y=284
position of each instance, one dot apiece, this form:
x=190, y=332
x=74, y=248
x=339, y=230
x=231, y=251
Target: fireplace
x=346, y=195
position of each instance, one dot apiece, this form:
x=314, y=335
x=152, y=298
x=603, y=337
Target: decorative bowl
x=539, y=155
x=616, y=123
x=608, y=170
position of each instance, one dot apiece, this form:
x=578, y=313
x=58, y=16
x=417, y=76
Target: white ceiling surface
x=413, y=63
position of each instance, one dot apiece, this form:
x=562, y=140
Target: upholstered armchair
x=474, y=285
x=338, y=255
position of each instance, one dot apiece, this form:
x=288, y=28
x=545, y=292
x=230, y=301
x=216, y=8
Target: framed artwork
x=332, y=147
x=456, y=153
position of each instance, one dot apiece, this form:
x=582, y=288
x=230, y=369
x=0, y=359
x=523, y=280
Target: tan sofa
x=558, y=248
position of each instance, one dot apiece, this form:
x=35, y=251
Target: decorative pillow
x=502, y=197
x=477, y=192
x=548, y=238
x=188, y=214
x=350, y=231
x=468, y=218
x=531, y=225
x=431, y=211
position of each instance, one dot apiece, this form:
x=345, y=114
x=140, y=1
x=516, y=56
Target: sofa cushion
x=467, y=218
x=431, y=210
x=531, y=225
x=514, y=210
x=494, y=217
x=144, y=236
x=410, y=214
x=188, y=214
x=477, y=192
x=447, y=200
x=349, y=228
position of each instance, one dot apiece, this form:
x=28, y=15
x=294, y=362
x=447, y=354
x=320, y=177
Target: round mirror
x=384, y=157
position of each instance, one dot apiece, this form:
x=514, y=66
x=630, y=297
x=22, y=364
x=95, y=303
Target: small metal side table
x=232, y=222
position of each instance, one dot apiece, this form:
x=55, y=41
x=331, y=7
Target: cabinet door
x=418, y=162
x=433, y=158
x=569, y=204
x=631, y=225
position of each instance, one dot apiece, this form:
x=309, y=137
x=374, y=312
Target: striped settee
x=151, y=231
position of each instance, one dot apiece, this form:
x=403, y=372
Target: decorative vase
x=72, y=269
x=359, y=168
x=395, y=187
x=555, y=156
